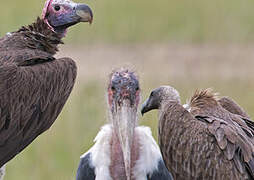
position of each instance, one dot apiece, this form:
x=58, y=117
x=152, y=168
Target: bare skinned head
x=61, y=14
x=123, y=88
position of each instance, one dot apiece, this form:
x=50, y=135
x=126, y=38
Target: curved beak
x=84, y=12
x=149, y=105
x=145, y=107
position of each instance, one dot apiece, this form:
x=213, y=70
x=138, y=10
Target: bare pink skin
x=117, y=169
x=49, y=9
x=65, y=7
x=45, y=11
x=111, y=93
x=110, y=97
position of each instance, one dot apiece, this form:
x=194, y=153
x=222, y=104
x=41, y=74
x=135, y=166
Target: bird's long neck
x=171, y=106
x=165, y=104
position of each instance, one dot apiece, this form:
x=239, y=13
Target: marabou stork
x=123, y=150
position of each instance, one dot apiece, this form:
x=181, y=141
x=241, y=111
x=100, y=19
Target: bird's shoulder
x=231, y=106
x=161, y=173
x=32, y=96
x=86, y=171
x=99, y=153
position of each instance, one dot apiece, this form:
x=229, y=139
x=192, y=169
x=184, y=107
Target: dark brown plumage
x=34, y=86
x=232, y=107
x=208, y=142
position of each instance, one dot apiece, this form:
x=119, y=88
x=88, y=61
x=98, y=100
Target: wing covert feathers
x=31, y=98
x=208, y=136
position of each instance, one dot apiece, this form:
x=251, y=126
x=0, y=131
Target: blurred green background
x=188, y=44
x=124, y=21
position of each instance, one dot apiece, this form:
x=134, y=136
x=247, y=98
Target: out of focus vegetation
x=188, y=44
x=150, y=21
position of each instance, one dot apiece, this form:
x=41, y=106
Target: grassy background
x=122, y=21
x=189, y=44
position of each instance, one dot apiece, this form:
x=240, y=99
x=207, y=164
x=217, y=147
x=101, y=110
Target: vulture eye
x=113, y=88
x=57, y=8
x=152, y=93
x=137, y=88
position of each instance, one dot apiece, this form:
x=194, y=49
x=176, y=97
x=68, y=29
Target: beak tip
x=142, y=112
x=85, y=13
x=91, y=20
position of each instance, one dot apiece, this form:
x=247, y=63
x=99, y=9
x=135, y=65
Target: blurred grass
x=127, y=21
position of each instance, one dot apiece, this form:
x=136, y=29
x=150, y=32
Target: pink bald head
x=61, y=14
x=44, y=12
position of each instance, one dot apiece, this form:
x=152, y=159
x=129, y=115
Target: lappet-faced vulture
x=34, y=85
x=123, y=150
x=205, y=140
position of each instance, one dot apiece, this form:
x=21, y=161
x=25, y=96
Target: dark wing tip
x=85, y=169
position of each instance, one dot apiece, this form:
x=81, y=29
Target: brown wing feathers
x=33, y=103
x=208, y=142
x=34, y=86
x=232, y=107
x=232, y=134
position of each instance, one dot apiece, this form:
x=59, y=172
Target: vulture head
x=61, y=14
x=123, y=99
x=158, y=97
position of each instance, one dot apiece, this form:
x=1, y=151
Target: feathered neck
x=39, y=36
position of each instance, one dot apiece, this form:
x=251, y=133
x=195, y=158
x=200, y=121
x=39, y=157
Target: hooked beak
x=148, y=105
x=84, y=12
x=144, y=107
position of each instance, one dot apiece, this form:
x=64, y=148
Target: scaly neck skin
x=35, y=36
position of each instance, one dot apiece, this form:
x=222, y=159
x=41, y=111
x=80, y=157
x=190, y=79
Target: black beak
x=145, y=107
x=151, y=103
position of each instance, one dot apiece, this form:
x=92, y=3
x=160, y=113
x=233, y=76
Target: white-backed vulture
x=203, y=141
